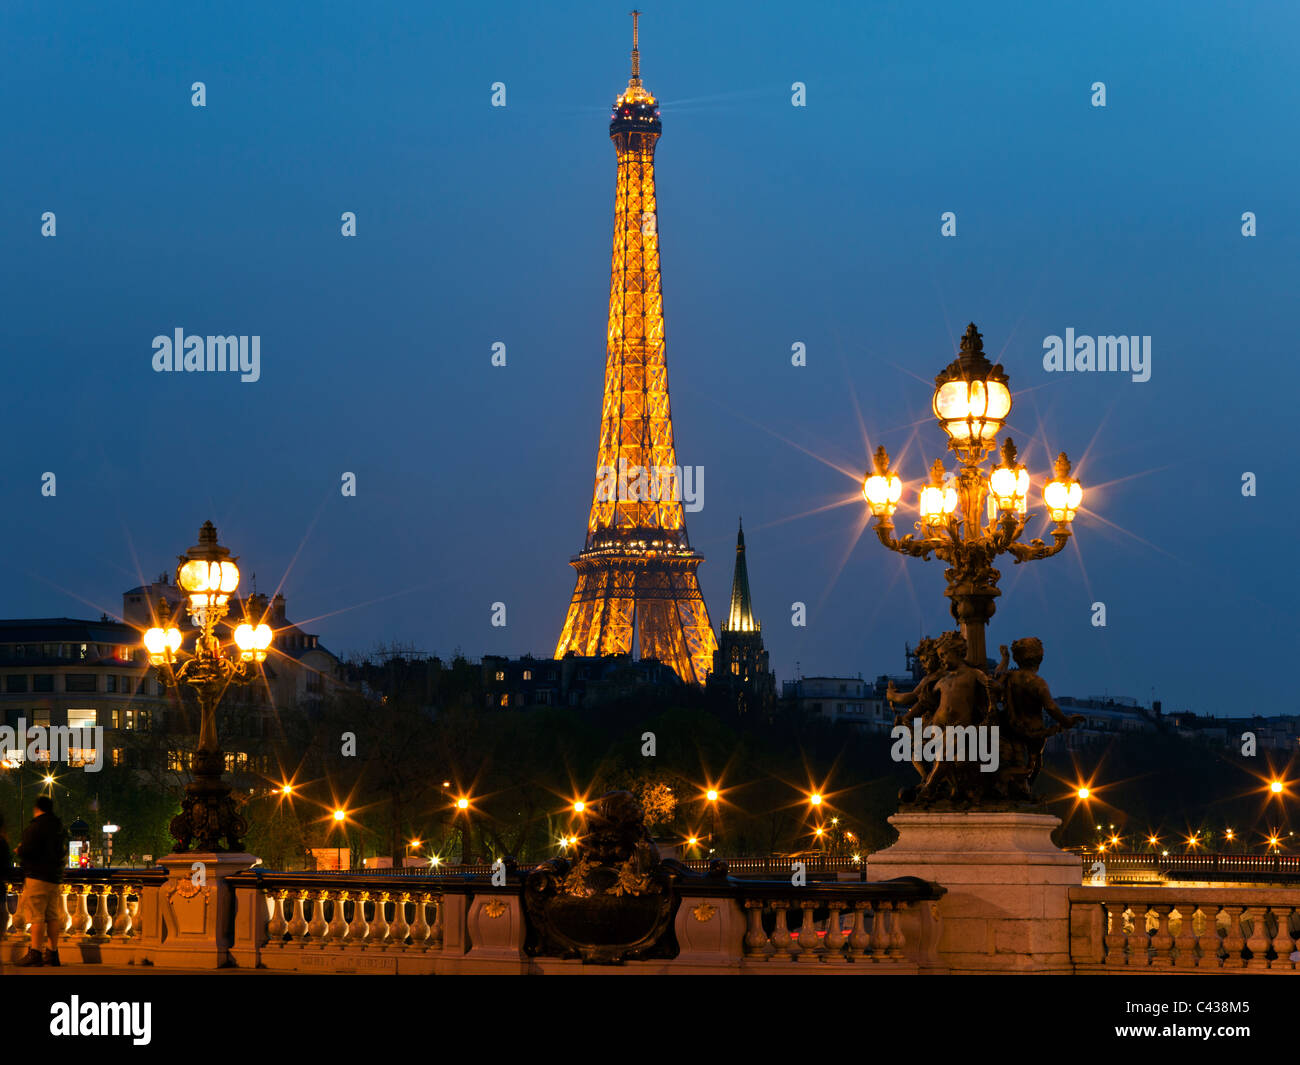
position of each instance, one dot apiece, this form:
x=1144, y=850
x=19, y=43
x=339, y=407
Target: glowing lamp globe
x=1062, y=495
x=207, y=573
x=1009, y=484
x=937, y=500
x=883, y=489
x=162, y=644
x=252, y=641
x=971, y=397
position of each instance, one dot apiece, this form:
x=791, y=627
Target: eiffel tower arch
x=637, y=569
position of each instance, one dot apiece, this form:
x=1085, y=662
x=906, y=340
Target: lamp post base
x=196, y=909
x=1007, y=906
x=208, y=812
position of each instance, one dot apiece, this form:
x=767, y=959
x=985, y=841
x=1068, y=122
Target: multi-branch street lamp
x=208, y=575
x=972, y=402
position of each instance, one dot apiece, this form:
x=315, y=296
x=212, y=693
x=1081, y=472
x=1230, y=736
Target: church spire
x=741, y=616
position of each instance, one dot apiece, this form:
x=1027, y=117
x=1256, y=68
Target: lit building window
x=82, y=718
x=500, y=675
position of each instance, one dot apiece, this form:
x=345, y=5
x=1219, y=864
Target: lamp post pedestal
x=196, y=909
x=1007, y=907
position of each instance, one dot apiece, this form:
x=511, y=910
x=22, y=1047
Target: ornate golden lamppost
x=968, y=521
x=209, y=576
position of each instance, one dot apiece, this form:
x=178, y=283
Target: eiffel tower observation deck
x=636, y=574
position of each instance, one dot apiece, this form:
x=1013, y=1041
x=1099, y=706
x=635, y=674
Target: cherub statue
x=1025, y=697
x=924, y=696
x=963, y=701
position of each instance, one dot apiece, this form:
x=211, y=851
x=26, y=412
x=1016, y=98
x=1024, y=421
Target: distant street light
x=108, y=831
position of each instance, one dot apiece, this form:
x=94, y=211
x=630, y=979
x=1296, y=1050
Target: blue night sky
x=778, y=225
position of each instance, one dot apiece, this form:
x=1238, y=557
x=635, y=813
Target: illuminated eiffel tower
x=637, y=571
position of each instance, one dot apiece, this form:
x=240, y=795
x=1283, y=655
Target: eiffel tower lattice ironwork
x=637, y=570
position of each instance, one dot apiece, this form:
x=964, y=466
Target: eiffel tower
x=636, y=574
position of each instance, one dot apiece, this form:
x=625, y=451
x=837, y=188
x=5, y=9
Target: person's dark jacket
x=42, y=849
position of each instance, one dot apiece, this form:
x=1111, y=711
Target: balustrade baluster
x=399, y=929
x=435, y=932
x=358, y=929
x=276, y=925
x=419, y=927
x=99, y=923
x=1145, y=927
x=1116, y=938
x=808, y=938
x=756, y=938
x=835, y=937
x=317, y=929
x=338, y=926
x=1283, y=942
x=74, y=904
x=896, y=940
x=1162, y=941
x=781, y=938
x=1258, y=943
x=1233, y=942
x=1185, y=943
x=298, y=922
x=879, y=933
x=859, y=938
x=379, y=923
x=117, y=918
x=131, y=901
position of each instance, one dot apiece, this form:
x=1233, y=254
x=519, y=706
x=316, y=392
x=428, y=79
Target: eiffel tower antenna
x=636, y=579
x=636, y=51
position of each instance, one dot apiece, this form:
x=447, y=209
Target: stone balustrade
x=332, y=922
x=446, y=924
x=109, y=916
x=338, y=922
x=1148, y=929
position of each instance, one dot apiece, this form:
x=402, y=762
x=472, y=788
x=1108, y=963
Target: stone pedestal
x=196, y=909
x=1007, y=906
x=710, y=932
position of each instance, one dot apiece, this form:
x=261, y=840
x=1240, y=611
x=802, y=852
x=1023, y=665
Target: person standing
x=41, y=855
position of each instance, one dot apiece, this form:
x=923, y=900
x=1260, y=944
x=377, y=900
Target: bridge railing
x=1144, y=929
x=107, y=913
x=1211, y=865
x=454, y=923
x=465, y=923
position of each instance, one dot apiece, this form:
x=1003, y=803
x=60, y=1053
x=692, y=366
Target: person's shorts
x=41, y=902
